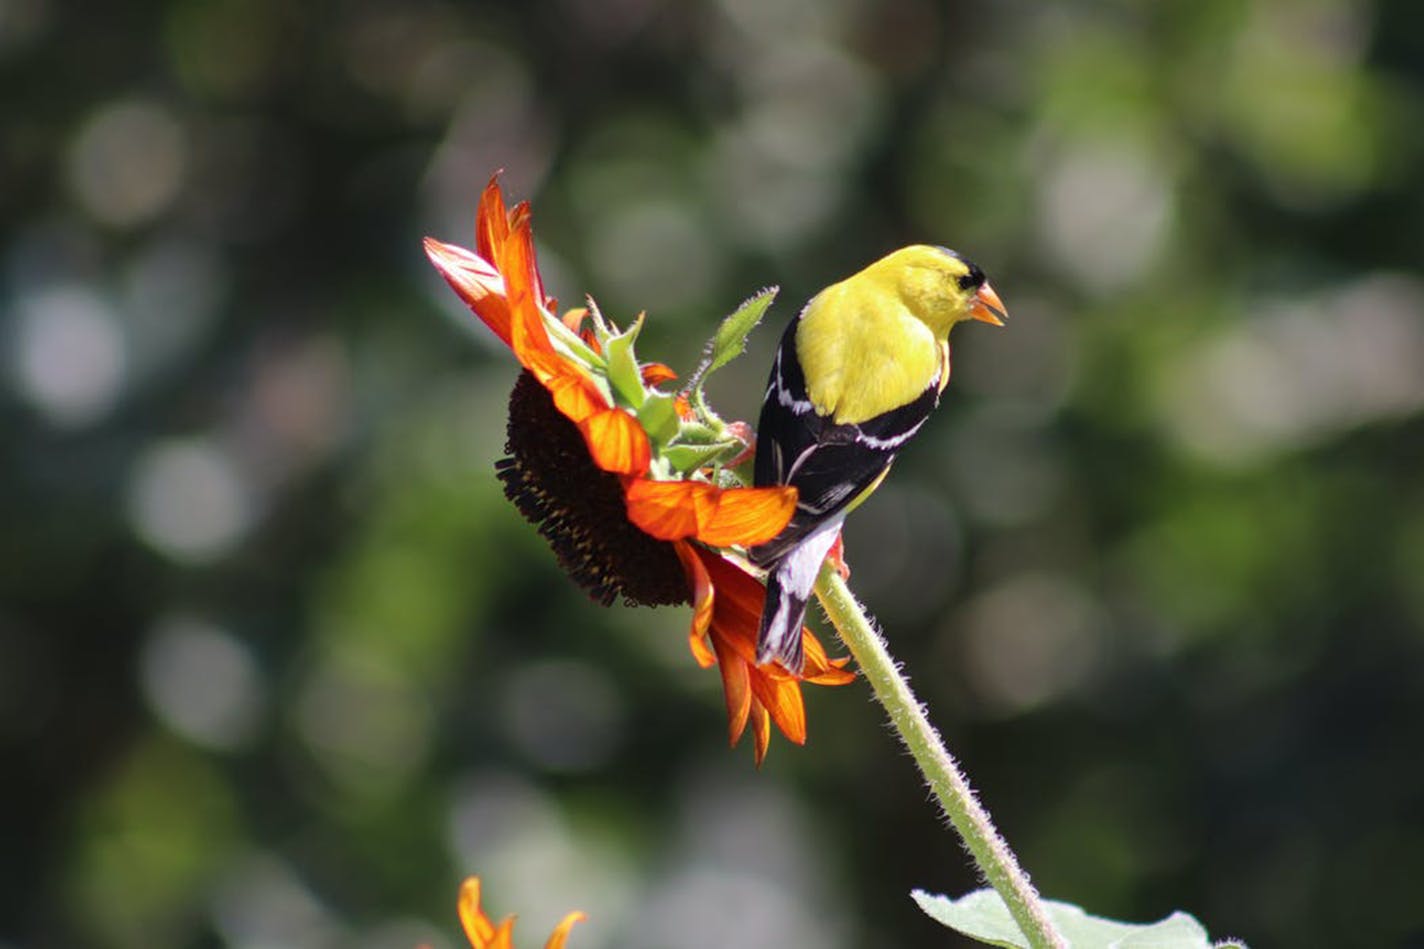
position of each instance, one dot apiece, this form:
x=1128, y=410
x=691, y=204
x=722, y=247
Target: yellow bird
x=855, y=377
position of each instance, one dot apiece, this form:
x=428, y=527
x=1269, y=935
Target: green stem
x=996, y=861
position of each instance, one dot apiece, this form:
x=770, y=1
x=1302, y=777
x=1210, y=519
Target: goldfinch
x=855, y=376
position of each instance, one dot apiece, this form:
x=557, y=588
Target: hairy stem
x=993, y=856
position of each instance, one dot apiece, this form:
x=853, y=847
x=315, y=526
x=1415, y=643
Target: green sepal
x=658, y=416
x=686, y=458
x=982, y=915
x=623, y=370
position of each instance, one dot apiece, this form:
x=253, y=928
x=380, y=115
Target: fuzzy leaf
x=623, y=370
x=982, y=915
x=695, y=433
x=731, y=339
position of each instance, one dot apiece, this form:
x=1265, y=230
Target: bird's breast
x=863, y=354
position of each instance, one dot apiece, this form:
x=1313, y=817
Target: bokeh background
x=279, y=665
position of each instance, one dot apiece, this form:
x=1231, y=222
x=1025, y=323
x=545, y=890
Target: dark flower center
x=579, y=508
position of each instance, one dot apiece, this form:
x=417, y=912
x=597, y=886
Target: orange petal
x=703, y=601
x=574, y=393
x=720, y=517
x=494, y=228
x=574, y=318
x=761, y=732
x=528, y=336
x=517, y=261
x=503, y=935
x=819, y=668
x=561, y=931
x=667, y=510
x=740, y=597
x=736, y=688
x=813, y=651
x=748, y=516
x=478, y=928
x=476, y=282
x=738, y=631
x=835, y=674
x=616, y=442
x=775, y=694
x=782, y=699
x=491, y=221
x=655, y=373
x=615, y=439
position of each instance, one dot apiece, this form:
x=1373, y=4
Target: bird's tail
x=781, y=617
x=788, y=590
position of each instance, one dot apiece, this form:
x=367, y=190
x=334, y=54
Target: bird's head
x=940, y=287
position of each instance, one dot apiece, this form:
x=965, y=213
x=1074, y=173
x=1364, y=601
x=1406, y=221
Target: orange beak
x=988, y=307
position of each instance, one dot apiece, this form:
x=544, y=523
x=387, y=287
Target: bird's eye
x=972, y=280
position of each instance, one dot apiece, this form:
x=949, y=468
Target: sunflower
x=484, y=934
x=636, y=490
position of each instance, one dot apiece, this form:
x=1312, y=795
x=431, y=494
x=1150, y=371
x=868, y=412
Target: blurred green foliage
x=278, y=664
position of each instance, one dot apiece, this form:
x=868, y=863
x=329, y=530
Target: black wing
x=830, y=464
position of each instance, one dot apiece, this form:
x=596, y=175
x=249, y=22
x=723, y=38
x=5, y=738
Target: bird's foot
x=836, y=557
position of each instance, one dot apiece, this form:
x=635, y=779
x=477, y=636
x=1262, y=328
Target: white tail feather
x=788, y=590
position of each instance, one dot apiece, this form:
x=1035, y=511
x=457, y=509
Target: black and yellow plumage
x=855, y=376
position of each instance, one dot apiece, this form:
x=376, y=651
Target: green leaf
x=623, y=370
x=982, y=915
x=658, y=415
x=731, y=339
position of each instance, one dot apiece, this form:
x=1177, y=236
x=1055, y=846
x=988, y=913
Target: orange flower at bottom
x=727, y=604
x=484, y=934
